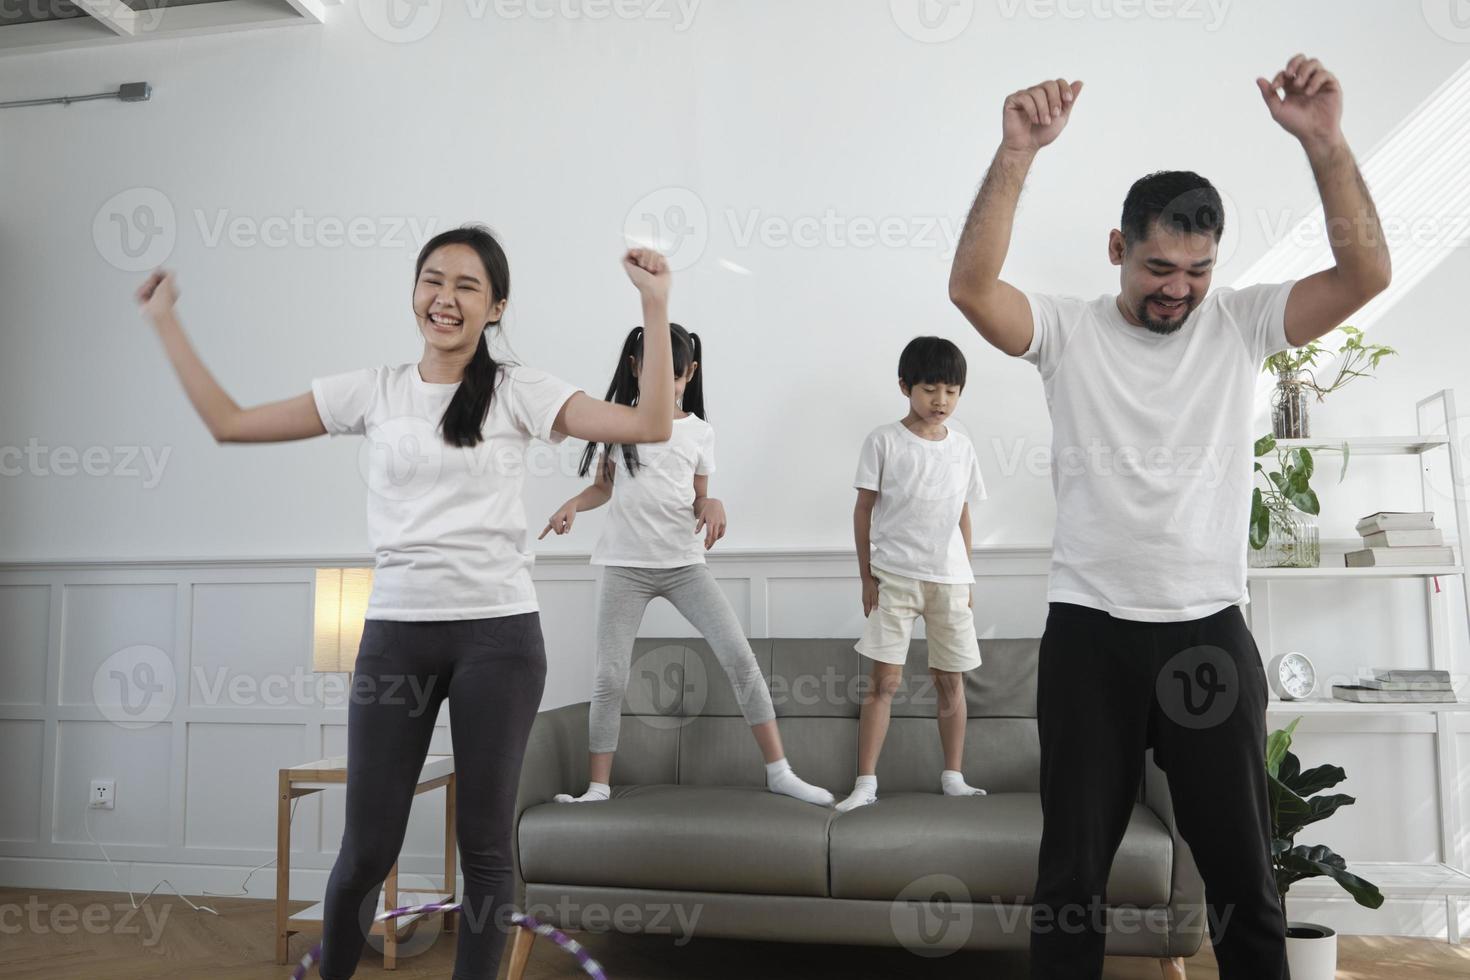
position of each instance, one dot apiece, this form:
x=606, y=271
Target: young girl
x=651, y=547
x=452, y=608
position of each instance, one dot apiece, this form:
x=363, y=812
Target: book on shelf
x=1378, y=685
x=1368, y=695
x=1371, y=557
x=1396, y=520
x=1412, y=675
x=1419, y=538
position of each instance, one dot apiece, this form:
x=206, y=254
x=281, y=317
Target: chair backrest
x=681, y=721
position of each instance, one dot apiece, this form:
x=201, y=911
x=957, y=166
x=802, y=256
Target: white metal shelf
x=1396, y=879
x=1331, y=705
x=1439, y=428
x=1369, y=445
x=1371, y=571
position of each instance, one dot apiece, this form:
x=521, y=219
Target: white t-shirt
x=1152, y=449
x=446, y=523
x=922, y=485
x=651, y=520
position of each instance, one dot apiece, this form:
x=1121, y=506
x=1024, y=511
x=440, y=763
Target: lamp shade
x=341, y=606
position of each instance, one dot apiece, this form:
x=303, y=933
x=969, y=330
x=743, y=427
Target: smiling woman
x=452, y=604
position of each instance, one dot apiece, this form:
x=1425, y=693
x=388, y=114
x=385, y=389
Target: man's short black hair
x=1180, y=200
x=931, y=360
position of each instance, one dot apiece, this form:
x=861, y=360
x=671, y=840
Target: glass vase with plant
x=1296, y=380
x=1283, y=503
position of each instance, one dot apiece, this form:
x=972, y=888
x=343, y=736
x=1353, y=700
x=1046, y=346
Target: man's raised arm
x=1031, y=118
x=1310, y=108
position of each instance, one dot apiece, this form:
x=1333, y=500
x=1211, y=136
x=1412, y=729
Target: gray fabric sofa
x=691, y=843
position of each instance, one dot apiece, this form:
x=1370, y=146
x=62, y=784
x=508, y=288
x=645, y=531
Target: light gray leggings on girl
x=626, y=593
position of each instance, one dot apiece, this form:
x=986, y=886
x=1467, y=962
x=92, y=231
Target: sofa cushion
x=738, y=839
x=989, y=844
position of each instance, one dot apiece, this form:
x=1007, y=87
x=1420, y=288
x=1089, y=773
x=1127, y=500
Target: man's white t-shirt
x=651, y=520
x=1152, y=449
x=446, y=523
x=923, y=485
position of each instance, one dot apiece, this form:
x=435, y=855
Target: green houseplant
x=1295, y=378
x=1280, y=495
x=1311, y=949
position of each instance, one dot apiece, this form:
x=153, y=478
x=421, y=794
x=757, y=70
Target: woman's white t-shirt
x=922, y=486
x=651, y=521
x=446, y=523
x=1152, y=449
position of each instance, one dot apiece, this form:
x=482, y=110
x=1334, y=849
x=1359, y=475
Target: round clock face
x=1295, y=676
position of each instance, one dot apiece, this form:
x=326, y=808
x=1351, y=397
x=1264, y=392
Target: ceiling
x=41, y=25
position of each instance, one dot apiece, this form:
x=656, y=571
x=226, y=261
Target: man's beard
x=1163, y=327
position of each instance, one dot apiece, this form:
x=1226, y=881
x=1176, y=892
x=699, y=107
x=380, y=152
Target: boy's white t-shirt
x=650, y=523
x=446, y=523
x=1152, y=449
x=922, y=485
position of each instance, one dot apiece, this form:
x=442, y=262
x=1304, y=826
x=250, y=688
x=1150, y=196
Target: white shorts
x=949, y=623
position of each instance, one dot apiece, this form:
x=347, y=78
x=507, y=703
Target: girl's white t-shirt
x=651, y=520
x=923, y=486
x=446, y=523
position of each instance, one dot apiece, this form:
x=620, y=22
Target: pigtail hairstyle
x=694, y=391
x=624, y=388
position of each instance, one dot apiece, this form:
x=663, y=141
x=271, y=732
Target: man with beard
x=1145, y=644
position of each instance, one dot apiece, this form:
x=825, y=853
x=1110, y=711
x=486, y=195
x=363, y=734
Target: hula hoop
x=564, y=942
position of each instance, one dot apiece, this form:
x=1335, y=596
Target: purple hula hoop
x=564, y=942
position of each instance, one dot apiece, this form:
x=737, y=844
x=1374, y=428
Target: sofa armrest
x=555, y=762
x=1188, y=917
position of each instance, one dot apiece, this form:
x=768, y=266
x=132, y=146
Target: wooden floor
x=237, y=945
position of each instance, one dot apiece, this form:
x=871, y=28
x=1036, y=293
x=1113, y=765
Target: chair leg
x=520, y=953
x=1173, y=968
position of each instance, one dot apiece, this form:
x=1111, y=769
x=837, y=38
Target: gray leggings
x=626, y=593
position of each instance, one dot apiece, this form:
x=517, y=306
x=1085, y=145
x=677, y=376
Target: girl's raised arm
x=282, y=421
x=652, y=419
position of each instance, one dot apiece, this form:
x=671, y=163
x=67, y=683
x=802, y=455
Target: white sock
x=781, y=779
x=864, y=791
x=596, y=792
x=952, y=781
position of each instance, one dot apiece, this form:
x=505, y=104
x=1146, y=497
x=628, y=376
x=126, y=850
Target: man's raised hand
x=1033, y=117
x=1310, y=106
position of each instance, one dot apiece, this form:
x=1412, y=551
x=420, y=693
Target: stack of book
x=1399, y=687
x=1400, y=538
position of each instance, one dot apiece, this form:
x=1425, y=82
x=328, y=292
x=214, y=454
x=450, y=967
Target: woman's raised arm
x=652, y=419
x=282, y=421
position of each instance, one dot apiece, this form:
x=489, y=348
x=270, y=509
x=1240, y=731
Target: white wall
x=559, y=132
x=555, y=131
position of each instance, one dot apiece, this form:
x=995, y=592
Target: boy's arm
x=965, y=533
x=862, y=523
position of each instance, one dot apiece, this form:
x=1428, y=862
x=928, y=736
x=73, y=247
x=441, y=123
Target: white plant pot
x=1311, y=951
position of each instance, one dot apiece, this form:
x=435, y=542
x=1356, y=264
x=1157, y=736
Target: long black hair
x=465, y=417
x=687, y=350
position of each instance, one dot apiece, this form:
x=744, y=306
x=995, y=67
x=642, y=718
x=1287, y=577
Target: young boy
x=915, y=480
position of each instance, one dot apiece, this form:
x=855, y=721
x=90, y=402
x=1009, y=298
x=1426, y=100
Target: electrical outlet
x=100, y=796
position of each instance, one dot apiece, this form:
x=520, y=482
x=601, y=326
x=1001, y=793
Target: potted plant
x=1295, y=378
x=1280, y=537
x=1311, y=949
